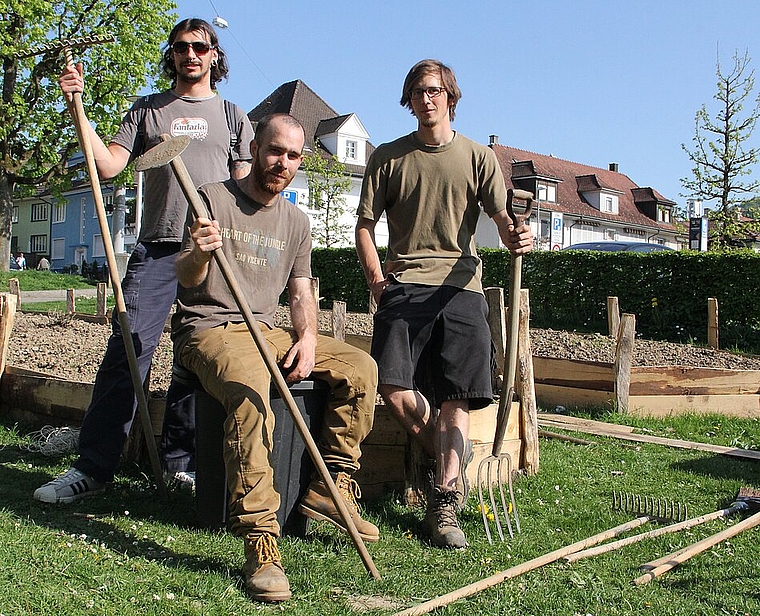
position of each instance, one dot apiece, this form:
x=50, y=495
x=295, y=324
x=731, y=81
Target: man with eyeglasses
x=219, y=149
x=431, y=338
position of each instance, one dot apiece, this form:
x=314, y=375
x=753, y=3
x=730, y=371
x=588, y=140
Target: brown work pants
x=230, y=368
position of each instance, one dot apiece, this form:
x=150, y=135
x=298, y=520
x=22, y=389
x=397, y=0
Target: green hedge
x=667, y=291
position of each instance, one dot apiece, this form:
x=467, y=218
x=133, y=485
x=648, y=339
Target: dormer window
x=546, y=192
x=606, y=205
x=351, y=147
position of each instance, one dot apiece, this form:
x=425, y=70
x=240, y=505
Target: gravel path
x=72, y=348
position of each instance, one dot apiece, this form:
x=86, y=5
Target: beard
x=266, y=183
x=191, y=78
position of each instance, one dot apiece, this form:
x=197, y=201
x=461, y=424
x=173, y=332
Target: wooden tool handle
x=540, y=561
x=676, y=559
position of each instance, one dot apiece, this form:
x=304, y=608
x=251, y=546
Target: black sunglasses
x=199, y=47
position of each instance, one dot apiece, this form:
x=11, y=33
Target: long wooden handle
x=76, y=108
x=675, y=559
x=200, y=211
x=663, y=530
x=540, y=561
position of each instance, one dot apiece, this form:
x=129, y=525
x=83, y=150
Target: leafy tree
x=328, y=184
x=37, y=135
x=720, y=156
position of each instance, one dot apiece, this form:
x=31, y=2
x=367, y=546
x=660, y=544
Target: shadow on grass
x=722, y=467
x=21, y=474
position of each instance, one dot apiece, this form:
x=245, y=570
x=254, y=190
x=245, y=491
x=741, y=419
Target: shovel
x=169, y=152
x=496, y=469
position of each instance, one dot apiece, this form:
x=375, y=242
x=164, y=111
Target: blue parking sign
x=290, y=195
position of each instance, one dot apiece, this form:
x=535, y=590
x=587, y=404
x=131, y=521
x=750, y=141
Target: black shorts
x=436, y=340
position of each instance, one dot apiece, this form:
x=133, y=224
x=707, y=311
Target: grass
x=32, y=280
x=84, y=305
x=126, y=552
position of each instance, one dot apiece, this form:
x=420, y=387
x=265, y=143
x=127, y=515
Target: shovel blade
x=162, y=154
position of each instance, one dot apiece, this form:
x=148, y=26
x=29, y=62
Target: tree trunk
x=6, y=215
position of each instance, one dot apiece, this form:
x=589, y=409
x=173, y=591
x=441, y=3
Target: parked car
x=618, y=246
x=13, y=264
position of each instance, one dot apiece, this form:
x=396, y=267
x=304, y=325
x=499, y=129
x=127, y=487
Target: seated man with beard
x=267, y=241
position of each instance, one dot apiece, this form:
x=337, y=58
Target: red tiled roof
x=575, y=178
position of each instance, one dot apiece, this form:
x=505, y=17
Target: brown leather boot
x=441, y=519
x=317, y=504
x=263, y=573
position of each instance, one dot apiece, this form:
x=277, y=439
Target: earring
x=213, y=62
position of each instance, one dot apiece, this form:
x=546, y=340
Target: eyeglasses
x=432, y=92
x=200, y=48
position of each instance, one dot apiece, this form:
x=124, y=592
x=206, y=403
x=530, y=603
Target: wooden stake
x=623, y=360
x=527, y=390
x=712, y=323
x=498, y=326
x=339, y=321
x=613, y=316
x=100, y=310
x=71, y=302
x=15, y=288
x=8, y=302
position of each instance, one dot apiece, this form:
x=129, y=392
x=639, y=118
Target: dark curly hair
x=218, y=71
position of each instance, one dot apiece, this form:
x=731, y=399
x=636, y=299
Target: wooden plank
x=686, y=381
x=598, y=376
x=744, y=406
x=571, y=397
x=614, y=432
x=583, y=422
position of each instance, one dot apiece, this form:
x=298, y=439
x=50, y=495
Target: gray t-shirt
x=207, y=157
x=265, y=246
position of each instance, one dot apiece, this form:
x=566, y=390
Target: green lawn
x=126, y=552
x=31, y=280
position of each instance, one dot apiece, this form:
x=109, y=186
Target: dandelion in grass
x=483, y=508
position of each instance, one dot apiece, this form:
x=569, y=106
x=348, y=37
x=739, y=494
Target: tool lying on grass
x=497, y=468
x=169, y=152
x=748, y=498
x=76, y=108
x=742, y=503
x=512, y=572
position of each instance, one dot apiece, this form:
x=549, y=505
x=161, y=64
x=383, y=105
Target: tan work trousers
x=231, y=369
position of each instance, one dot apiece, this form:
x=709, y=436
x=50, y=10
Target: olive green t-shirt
x=432, y=196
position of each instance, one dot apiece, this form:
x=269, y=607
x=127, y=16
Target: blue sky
x=588, y=81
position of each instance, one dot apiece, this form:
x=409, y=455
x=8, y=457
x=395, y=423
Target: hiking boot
x=264, y=575
x=317, y=504
x=69, y=488
x=184, y=480
x=441, y=519
x=463, y=482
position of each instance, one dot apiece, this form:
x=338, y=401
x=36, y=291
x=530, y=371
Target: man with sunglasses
x=219, y=149
x=431, y=338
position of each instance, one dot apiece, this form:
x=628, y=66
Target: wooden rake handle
x=673, y=560
x=76, y=108
x=502, y=576
x=200, y=211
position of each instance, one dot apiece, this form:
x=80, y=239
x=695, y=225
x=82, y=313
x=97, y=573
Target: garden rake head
x=661, y=509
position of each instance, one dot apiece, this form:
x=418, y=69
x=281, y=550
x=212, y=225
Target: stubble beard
x=259, y=175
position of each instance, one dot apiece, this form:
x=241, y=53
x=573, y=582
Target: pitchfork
x=497, y=468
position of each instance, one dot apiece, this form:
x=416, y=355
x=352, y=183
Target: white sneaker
x=69, y=488
x=184, y=480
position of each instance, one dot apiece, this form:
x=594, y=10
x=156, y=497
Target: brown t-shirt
x=265, y=246
x=432, y=196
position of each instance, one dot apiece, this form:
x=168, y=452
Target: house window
x=39, y=212
x=14, y=215
x=38, y=243
x=351, y=150
x=663, y=215
x=59, y=212
x=58, y=246
x=107, y=206
x=609, y=234
x=546, y=192
x=606, y=204
x=97, y=246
